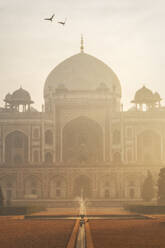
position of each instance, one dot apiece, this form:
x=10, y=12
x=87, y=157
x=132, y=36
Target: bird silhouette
x=63, y=23
x=50, y=19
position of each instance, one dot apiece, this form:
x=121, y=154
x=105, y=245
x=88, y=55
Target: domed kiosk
x=19, y=98
x=146, y=99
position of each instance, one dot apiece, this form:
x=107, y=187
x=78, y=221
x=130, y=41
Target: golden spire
x=82, y=44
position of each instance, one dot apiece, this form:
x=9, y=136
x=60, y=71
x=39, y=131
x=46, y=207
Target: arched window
x=116, y=137
x=36, y=156
x=48, y=157
x=48, y=137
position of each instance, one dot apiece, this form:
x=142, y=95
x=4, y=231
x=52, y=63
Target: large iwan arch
x=82, y=140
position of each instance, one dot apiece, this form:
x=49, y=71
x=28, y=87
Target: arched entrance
x=82, y=187
x=82, y=141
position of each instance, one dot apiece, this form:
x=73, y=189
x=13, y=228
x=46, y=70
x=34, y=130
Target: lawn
x=35, y=233
x=128, y=233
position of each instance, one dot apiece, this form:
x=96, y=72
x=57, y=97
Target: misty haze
x=82, y=124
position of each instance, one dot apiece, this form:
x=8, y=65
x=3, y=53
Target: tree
x=1, y=198
x=161, y=186
x=148, y=188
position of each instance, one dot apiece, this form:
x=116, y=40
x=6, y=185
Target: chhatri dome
x=145, y=95
x=21, y=95
x=82, y=72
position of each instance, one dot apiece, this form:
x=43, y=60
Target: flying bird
x=50, y=19
x=63, y=23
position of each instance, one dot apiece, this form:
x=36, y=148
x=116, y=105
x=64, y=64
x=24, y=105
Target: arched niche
x=58, y=188
x=132, y=188
x=16, y=148
x=8, y=186
x=32, y=187
x=107, y=187
x=149, y=147
x=82, y=141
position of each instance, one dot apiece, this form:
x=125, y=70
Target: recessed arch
x=32, y=187
x=8, y=186
x=107, y=187
x=149, y=146
x=16, y=148
x=82, y=140
x=132, y=186
x=58, y=187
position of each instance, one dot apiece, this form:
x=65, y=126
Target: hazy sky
x=128, y=35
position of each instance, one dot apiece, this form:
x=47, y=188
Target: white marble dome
x=82, y=72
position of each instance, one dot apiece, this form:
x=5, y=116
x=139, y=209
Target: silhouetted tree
x=148, y=188
x=1, y=198
x=161, y=186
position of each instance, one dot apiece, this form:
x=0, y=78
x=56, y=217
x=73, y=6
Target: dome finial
x=82, y=44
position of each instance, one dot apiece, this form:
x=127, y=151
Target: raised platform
x=73, y=203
